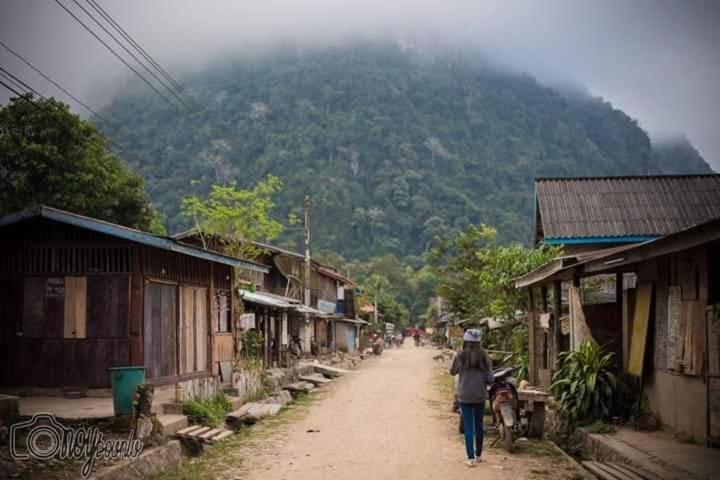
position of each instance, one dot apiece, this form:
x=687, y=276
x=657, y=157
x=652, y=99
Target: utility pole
x=306, y=296
x=375, y=313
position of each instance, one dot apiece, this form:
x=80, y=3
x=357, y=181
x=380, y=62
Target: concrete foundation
x=9, y=409
x=658, y=453
x=681, y=403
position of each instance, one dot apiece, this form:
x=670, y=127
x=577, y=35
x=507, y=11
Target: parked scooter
x=377, y=346
x=504, y=400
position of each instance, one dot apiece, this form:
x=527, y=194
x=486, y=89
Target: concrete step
x=316, y=379
x=172, y=423
x=283, y=397
x=236, y=402
x=251, y=413
x=299, y=387
x=172, y=408
x=328, y=371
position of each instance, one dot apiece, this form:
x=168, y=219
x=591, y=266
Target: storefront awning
x=265, y=299
x=312, y=311
x=356, y=321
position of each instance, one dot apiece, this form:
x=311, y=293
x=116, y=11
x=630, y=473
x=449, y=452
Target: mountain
x=395, y=146
x=676, y=155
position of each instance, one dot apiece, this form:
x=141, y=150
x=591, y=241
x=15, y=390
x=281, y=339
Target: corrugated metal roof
x=648, y=206
x=126, y=233
x=263, y=298
x=328, y=272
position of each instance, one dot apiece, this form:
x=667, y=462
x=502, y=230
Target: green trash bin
x=124, y=383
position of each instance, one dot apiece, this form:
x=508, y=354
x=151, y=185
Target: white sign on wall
x=247, y=321
x=325, y=306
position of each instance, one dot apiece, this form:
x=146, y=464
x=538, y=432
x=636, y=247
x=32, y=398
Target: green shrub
x=438, y=339
x=253, y=344
x=208, y=412
x=585, y=385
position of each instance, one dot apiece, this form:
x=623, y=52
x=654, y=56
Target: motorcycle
x=377, y=346
x=504, y=401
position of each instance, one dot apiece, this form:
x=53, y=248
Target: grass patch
x=535, y=448
x=444, y=383
x=600, y=427
x=208, y=412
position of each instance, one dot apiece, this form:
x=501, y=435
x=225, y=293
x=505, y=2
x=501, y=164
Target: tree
x=236, y=218
x=50, y=156
x=476, y=273
x=378, y=288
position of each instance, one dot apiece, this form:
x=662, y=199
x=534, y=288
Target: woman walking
x=474, y=366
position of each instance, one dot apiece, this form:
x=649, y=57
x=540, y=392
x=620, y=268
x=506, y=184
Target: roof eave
x=599, y=240
x=126, y=233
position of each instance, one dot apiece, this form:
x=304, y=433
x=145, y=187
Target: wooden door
x=160, y=320
x=202, y=334
x=194, y=332
x=350, y=338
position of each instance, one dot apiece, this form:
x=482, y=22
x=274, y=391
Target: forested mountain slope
x=394, y=146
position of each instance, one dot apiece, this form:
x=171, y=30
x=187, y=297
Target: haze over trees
x=395, y=147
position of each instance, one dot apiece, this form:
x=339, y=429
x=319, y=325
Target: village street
x=388, y=419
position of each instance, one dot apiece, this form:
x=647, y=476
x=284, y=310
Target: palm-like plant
x=585, y=384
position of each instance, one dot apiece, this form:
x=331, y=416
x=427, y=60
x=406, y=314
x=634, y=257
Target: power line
x=69, y=12
x=56, y=84
x=12, y=90
x=107, y=32
x=19, y=83
x=96, y=6
x=14, y=83
x=22, y=85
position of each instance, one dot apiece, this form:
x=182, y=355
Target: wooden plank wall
x=175, y=267
x=59, y=362
x=136, y=310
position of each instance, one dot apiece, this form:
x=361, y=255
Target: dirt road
x=387, y=420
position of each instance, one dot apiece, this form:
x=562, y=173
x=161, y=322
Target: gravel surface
x=388, y=419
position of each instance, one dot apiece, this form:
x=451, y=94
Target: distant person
x=416, y=337
x=475, y=368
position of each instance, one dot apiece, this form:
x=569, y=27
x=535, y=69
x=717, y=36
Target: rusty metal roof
x=126, y=233
x=635, y=208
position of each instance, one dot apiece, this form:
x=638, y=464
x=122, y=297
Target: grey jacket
x=472, y=385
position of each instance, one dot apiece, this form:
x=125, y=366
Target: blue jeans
x=473, y=422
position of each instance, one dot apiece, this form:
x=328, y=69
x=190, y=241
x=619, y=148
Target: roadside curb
x=581, y=470
x=150, y=462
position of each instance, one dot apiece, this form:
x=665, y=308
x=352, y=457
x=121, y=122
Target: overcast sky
x=658, y=60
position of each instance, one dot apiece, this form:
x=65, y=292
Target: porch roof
x=126, y=233
x=356, y=321
x=618, y=258
x=555, y=268
x=266, y=299
x=313, y=311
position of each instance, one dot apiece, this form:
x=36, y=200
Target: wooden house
x=591, y=213
x=663, y=322
x=80, y=296
x=276, y=307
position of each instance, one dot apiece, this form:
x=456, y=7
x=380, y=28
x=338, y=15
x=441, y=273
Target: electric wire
x=69, y=12
x=56, y=84
x=132, y=55
x=118, y=28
